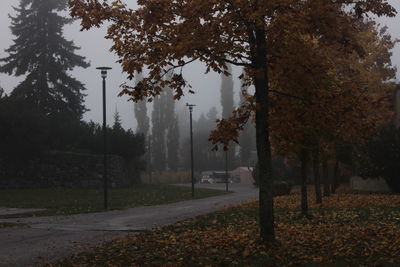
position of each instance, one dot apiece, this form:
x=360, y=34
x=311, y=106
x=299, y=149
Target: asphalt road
x=47, y=239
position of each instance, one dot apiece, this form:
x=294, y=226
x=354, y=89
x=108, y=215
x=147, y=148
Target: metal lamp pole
x=191, y=146
x=105, y=180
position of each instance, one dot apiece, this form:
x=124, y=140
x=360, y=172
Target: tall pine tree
x=42, y=54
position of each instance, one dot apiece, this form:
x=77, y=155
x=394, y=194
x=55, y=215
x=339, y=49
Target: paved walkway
x=11, y=211
x=49, y=238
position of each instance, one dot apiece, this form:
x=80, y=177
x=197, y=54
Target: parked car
x=206, y=179
x=215, y=177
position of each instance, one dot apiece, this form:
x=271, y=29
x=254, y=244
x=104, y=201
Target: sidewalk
x=50, y=238
x=10, y=211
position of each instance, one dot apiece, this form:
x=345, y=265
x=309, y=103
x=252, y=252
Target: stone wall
x=72, y=170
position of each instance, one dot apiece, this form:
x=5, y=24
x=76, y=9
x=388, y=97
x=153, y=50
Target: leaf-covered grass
x=72, y=201
x=347, y=230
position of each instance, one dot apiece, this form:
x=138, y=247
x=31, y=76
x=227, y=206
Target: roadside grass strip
x=61, y=201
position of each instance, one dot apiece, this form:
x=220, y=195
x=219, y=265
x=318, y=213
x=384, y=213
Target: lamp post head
x=103, y=71
x=190, y=106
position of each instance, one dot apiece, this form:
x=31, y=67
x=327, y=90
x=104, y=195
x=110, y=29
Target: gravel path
x=46, y=239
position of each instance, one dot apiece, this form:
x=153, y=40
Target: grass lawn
x=347, y=230
x=73, y=201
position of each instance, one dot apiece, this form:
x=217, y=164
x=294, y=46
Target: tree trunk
x=317, y=177
x=335, y=183
x=304, y=201
x=327, y=182
x=259, y=48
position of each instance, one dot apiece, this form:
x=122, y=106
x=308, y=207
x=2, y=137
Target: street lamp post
x=105, y=180
x=191, y=146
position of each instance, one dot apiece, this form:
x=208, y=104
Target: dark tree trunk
x=335, y=183
x=327, y=181
x=317, y=177
x=304, y=168
x=257, y=38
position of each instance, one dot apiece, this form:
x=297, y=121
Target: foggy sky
x=96, y=50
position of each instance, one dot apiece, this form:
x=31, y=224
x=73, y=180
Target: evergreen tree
x=143, y=122
x=117, y=120
x=42, y=54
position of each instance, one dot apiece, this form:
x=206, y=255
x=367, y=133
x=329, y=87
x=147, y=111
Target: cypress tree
x=42, y=54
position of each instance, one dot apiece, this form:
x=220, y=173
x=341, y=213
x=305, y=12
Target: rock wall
x=72, y=170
